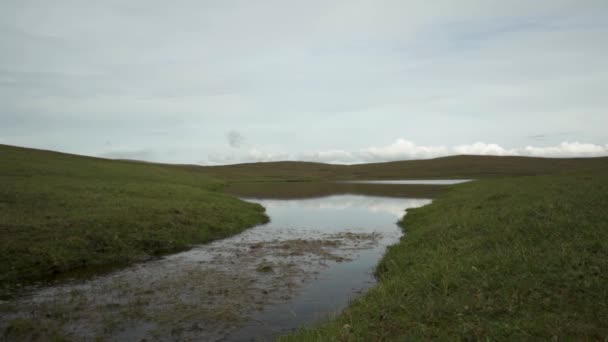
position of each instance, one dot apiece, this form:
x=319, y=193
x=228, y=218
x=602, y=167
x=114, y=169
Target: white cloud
x=403, y=149
x=255, y=155
x=305, y=76
x=565, y=149
x=331, y=156
x=399, y=150
x=480, y=148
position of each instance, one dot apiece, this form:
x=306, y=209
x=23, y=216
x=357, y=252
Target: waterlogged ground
x=306, y=264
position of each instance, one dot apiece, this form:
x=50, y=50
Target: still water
x=413, y=181
x=339, y=282
x=305, y=265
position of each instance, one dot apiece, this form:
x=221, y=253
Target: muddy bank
x=220, y=288
x=225, y=290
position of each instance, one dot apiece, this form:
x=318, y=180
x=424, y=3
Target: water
x=333, y=289
x=314, y=256
x=413, y=181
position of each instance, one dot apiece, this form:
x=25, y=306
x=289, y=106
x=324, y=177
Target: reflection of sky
x=340, y=211
x=334, y=283
x=413, y=181
x=320, y=218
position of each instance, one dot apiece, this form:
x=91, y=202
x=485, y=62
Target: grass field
x=499, y=258
x=507, y=259
x=61, y=213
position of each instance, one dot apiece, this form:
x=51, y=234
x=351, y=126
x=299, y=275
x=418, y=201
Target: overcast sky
x=225, y=81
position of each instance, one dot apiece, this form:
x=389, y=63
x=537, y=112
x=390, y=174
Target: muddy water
x=314, y=256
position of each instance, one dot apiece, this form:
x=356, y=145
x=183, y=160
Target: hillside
x=61, y=213
x=500, y=258
x=522, y=258
x=446, y=167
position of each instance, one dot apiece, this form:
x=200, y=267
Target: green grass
x=60, y=213
x=507, y=259
x=447, y=167
x=499, y=258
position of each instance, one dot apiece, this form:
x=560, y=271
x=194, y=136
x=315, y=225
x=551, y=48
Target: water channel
x=305, y=265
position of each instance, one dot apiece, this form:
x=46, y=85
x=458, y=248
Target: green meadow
x=62, y=213
x=521, y=253
x=503, y=259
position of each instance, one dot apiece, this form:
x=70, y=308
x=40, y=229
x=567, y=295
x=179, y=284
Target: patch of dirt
x=185, y=297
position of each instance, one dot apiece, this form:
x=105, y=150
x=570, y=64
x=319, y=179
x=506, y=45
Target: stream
x=305, y=265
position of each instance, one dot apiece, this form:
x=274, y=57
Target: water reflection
x=308, y=262
x=334, y=287
x=412, y=181
x=299, y=190
x=341, y=205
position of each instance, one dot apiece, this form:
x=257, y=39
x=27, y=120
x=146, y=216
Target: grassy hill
x=498, y=259
x=446, y=167
x=61, y=212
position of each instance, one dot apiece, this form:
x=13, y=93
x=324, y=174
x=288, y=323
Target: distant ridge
x=461, y=166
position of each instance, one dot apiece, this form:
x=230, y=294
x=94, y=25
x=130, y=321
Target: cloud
x=565, y=149
x=400, y=150
x=330, y=156
x=336, y=78
x=235, y=139
x=480, y=148
x=255, y=155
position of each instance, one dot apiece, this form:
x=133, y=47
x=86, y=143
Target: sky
x=230, y=81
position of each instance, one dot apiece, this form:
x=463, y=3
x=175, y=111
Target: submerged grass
x=514, y=258
x=61, y=213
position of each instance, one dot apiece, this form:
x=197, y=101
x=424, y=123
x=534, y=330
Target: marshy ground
x=212, y=291
x=501, y=258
